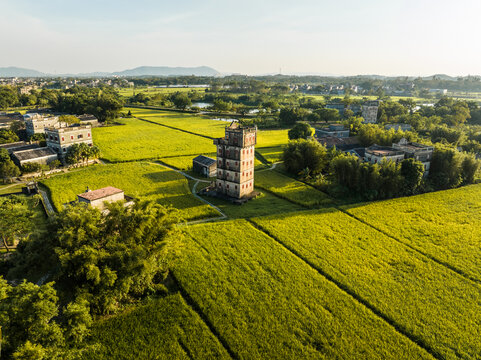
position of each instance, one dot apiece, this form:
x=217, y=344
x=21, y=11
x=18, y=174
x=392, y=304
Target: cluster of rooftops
x=59, y=137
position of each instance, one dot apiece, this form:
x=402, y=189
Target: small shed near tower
x=204, y=166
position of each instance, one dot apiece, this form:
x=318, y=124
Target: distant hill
x=440, y=77
x=13, y=71
x=168, y=71
x=139, y=71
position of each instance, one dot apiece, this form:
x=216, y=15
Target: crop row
x=165, y=328
x=433, y=304
x=445, y=225
x=268, y=304
x=139, y=140
x=290, y=189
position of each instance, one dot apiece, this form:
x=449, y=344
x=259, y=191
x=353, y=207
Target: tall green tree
x=301, y=130
x=412, y=172
x=305, y=157
x=109, y=259
x=469, y=168
x=15, y=219
x=181, y=100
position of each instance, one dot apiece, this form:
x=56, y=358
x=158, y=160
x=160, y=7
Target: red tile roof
x=100, y=193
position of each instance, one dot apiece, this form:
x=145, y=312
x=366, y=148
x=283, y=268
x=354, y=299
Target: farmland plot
x=139, y=140
x=198, y=124
x=143, y=181
x=427, y=300
x=268, y=304
x=164, y=328
x=445, y=225
x=290, y=189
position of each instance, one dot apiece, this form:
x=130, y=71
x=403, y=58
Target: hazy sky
x=341, y=37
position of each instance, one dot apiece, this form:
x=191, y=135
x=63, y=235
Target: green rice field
x=143, y=181
x=401, y=284
x=444, y=225
x=290, y=189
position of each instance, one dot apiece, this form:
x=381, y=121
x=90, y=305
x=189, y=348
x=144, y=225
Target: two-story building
x=370, y=110
x=416, y=151
x=375, y=154
x=334, y=130
x=60, y=139
x=36, y=123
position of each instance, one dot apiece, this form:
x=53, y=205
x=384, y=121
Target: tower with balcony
x=235, y=161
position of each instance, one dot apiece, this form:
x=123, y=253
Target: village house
x=235, y=161
x=341, y=143
x=418, y=152
x=376, y=153
x=397, y=127
x=334, y=130
x=88, y=119
x=26, y=90
x=36, y=123
x=42, y=156
x=98, y=198
x=370, y=110
x=204, y=166
x=60, y=139
x=18, y=146
x=357, y=152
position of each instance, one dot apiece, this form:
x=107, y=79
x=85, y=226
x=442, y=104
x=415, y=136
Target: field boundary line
x=454, y=269
x=194, y=193
x=261, y=158
x=347, y=290
x=174, y=128
x=197, y=309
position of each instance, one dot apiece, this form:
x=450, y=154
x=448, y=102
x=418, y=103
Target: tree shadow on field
x=163, y=176
x=181, y=202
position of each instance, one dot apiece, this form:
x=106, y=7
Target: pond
x=201, y=105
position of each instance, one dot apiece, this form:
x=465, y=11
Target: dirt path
x=273, y=166
x=47, y=203
x=194, y=192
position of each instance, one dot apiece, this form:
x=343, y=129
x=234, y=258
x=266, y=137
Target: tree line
x=347, y=176
x=105, y=103
x=91, y=264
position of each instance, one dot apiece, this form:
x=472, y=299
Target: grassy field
x=165, y=328
x=290, y=189
x=269, y=142
x=265, y=204
x=271, y=154
x=138, y=179
x=139, y=140
x=198, y=124
x=268, y=304
x=432, y=303
x=10, y=188
x=446, y=225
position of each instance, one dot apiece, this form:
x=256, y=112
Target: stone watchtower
x=235, y=161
